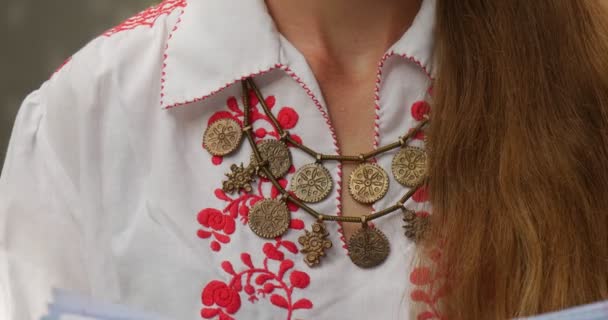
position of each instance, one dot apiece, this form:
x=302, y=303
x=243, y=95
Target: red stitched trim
x=165, y=56
x=147, y=17
x=177, y=104
x=63, y=64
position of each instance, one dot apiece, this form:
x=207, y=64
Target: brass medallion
x=312, y=183
x=239, y=178
x=278, y=156
x=222, y=137
x=409, y=166
x=315, y=243
x=269, y=218
x=368, y=183
x=368, y=247
x=415, y=225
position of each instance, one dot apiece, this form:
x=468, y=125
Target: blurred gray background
x=39, y=36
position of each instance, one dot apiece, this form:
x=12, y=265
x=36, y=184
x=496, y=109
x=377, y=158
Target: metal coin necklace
x=311, y=183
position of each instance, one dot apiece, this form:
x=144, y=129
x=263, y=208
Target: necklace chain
x=285, y=136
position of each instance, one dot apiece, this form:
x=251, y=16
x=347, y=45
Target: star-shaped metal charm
x=315, y=243
x=239, y=178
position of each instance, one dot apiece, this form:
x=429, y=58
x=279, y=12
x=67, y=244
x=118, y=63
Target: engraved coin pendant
x=368, y=247
x=222, y=137
x=269, y=218
x=409, y=166
x=278, y=156
x=368, y=183
x=312, y=183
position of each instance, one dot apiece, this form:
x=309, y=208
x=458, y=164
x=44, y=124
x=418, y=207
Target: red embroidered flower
x=219, y=294
x=299, y=279
x=216, y=220
x=288, y=118
x=419, y=109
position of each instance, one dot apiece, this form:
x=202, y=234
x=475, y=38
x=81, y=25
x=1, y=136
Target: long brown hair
x=518, y=149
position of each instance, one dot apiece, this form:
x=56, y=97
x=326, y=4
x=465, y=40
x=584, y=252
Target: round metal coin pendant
x=312, y=183
x=278, y=157
x=409, y=166
x=222, y=137
x=269, y=218
x=368, y=247
x=368, y=183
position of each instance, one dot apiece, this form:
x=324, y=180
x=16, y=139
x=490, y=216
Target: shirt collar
x=216, y=43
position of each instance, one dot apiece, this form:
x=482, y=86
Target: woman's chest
x=191, y=236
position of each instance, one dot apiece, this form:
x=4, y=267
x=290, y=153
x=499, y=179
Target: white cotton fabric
x=105, y=174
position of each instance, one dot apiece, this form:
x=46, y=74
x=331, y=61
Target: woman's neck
x=349, y=34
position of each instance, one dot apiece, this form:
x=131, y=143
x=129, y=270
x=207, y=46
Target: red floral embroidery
x=420, y=109
x=220, y=225
x=287, y=116
x=431, y=286
x=221, y=299
x=147, y=17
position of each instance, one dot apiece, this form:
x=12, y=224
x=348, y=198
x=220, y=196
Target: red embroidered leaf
x=215, y=246
x=244, y=211
x=246, y=258
x=253, y=98
x=220, y=194
x=233, y=105
x=249, y=289
x=279, y=301
x=292, y=206
x=270, y=101
x=296, y=224
x=203, y=234
x=420, y=276
x=426, y=315
x=217, y=160
x=297, y=138
x=229, y=226
x=420, y=296
x=237, y=283
x=272, y=253
x=302, y=304
x=268, y=288
x=285, y=265
x=299, y=279
x=224, y=316
x=260, y=133
x=262, y=278
x=274, y=192
x=221, y=238
x=227, y=266
x=234, y=207
x=290, y=245
x=209, y=313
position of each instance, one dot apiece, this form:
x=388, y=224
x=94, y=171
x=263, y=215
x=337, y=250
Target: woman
x=107, y=189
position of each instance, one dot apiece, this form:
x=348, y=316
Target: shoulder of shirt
x=124, y=51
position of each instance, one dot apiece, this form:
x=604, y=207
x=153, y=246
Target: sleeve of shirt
x=41, y=231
